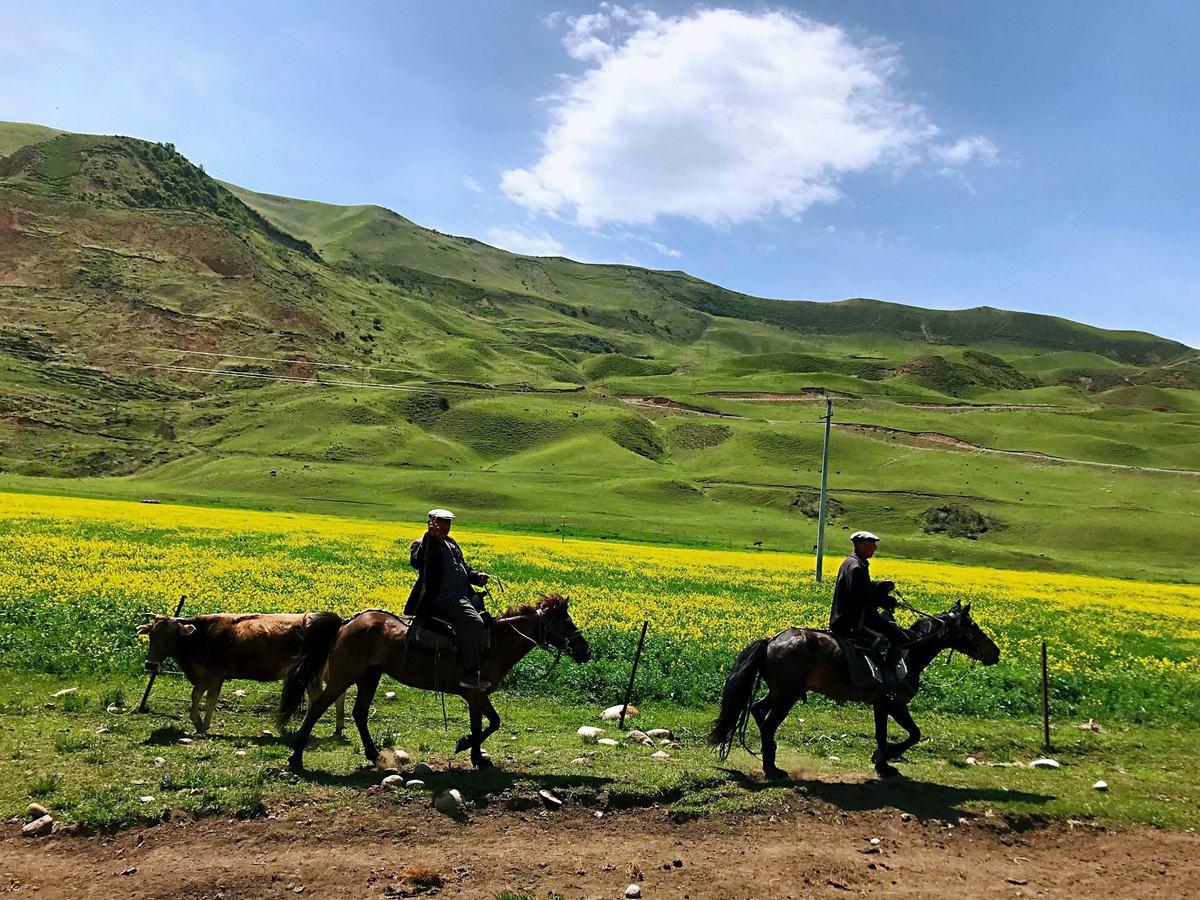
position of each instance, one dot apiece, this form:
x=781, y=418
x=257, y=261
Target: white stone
x=449, y=802
x=661, y=754
x=159, y=761
x=633, y=891
x=639, y=737
x=239, y=752
x=551, y=799
x=414, y=783
x=390, y=758
x=971, y=761
x=146, y=799
x=185, y=740
x=1045, y=764
x=392, y=781
x=1101, y=786
x=422, y=770
x=607, y=742
x=389, y=695
x=65, y=691
x=661, y=733
x=875, y=842
x=36, y=811
x=580, y=761
x=614, y=712
x=38, y=827
x=239, y=693
x=589, y=733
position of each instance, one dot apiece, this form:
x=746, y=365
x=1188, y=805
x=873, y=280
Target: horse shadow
x=480, y=787
x=923, y=799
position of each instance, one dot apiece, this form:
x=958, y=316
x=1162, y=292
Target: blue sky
x=1028, y=156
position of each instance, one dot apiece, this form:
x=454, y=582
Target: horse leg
x=881, y=756
x=899, y=712
x=214, y=694
x=341, y=717
x=493, y=723
x=779, y=708
x=197, y=693
x=332, y=691
x=362, y=706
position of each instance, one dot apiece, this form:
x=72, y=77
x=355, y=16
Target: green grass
x=91, y=767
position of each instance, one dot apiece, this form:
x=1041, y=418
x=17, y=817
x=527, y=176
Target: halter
x=545, y=632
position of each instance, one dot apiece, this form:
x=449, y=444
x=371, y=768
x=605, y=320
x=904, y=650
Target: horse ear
x=967, y=610
x=143, y=629
x=957, y=605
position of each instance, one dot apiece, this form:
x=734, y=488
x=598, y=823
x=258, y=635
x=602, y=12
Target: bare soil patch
x=807, y=849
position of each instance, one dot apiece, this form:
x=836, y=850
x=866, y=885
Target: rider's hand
x=483, y=578
x=887, y=586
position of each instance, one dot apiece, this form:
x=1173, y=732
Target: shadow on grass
x=480, y=786
x=924, y=799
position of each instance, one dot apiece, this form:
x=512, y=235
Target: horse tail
x=319, y=636
x=740, y=687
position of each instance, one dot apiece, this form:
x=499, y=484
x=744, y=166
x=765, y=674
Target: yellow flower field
x=76, y=573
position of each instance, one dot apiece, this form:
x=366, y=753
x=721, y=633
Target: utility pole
x=828, y=417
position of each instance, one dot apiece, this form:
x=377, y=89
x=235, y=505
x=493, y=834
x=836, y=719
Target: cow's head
x=164, y=633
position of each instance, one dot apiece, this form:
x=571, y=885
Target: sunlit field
x=76, y=576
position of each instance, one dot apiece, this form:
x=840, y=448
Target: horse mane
x=546, y=603
x=925, y=628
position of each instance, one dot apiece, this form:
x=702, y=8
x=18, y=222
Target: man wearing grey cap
x=857, y=601
x=444, y=590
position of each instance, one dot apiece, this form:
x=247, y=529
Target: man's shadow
x=923, y=799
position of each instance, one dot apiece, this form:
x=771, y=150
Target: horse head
x=968, y=638
x=556, y=629
x=164, y=633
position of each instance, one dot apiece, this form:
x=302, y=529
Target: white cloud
x=471, y=184
x=511, y=239
x=720, y=116
x=974, y=148
x=665, y=250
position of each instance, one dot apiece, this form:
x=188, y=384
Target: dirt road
x=811, y=850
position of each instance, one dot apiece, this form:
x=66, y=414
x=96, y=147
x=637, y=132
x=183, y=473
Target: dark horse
x=361, y=649
x=799, y=660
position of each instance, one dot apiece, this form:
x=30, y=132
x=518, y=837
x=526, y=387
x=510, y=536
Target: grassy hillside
x=164, y=334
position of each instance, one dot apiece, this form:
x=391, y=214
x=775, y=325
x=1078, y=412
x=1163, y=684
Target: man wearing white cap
x=857, y=601
x=444, y=590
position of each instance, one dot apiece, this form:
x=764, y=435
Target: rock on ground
x=38, y=827
x=633, y=891
x=589, y=733
x=614, y=712
x=450, y=802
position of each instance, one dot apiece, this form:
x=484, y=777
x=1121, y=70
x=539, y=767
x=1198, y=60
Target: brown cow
x=213, y=648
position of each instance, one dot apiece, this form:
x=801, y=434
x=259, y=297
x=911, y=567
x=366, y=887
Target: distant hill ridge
x=207, y=342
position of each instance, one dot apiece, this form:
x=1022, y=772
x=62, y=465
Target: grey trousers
x=462, y=613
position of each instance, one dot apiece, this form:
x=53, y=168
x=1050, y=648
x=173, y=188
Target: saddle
x=438, y=634
x=865, y=659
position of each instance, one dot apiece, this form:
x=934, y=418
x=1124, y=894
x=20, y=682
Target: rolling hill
x=164, y=334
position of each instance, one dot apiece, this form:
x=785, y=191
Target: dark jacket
x=428, y=563
x=856, y=598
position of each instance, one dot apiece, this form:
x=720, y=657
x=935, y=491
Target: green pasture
x=89, y=758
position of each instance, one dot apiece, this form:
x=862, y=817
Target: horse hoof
x=296, y=763
x=463, y=744
x=484, y=763
x=885, y=771
x=775, y=773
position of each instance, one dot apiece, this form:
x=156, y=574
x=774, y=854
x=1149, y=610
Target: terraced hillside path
x=943, y=441
x=820, y=849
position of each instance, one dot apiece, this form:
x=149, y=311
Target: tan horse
x=361, y=649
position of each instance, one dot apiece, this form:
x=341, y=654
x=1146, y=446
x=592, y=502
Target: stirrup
x=473, y=681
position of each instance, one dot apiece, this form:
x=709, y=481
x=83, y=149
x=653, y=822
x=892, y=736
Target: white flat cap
x=863, y=536
x=440, y=514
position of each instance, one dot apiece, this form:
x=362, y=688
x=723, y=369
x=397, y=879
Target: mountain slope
x=164, y=334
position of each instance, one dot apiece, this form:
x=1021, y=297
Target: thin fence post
x=1045, y=702
x=633, y=673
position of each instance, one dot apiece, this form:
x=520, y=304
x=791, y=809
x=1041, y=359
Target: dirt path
x=811, y=850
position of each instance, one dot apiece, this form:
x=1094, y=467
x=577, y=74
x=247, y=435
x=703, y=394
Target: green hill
x=165, y=334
